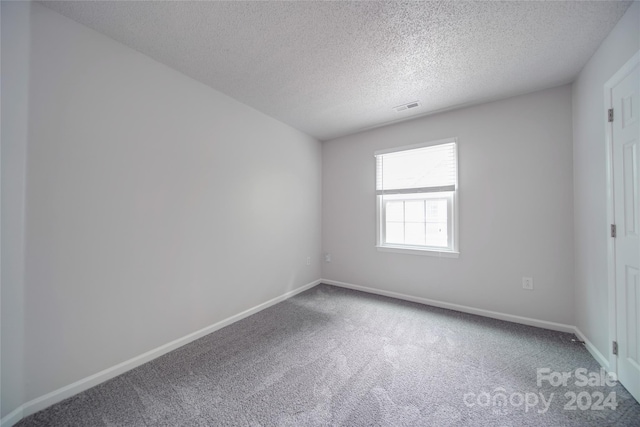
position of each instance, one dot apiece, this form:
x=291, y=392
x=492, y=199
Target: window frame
x=452, y=251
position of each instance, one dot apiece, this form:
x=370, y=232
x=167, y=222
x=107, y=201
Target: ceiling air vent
x=410, y=105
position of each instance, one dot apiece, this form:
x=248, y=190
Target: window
x=416, y=192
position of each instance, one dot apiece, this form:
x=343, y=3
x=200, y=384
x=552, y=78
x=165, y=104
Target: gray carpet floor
x=332, y=356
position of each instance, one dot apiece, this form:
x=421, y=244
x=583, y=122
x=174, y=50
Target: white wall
x=516, y=212
x=156, y=205
x=590, y=192
x=15, y=76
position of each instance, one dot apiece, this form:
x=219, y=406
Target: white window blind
x=420, y=170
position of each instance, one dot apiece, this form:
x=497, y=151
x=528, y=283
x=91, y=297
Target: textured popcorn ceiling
x=334, y=68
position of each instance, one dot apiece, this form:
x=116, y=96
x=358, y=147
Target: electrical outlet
x=308, y=260
x=527, y=283
x=327, y=257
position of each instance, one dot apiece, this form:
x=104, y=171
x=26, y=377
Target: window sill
x=423, y=252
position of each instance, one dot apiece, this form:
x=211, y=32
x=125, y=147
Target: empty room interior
x=320, y=213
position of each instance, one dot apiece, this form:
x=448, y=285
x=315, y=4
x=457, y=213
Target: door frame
x=611, y=256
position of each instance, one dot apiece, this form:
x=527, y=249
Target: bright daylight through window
x=416, y=191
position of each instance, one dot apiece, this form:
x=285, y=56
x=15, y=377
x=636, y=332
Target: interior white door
x=625, y=97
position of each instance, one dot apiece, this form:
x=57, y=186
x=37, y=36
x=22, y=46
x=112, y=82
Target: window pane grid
x=417, y=222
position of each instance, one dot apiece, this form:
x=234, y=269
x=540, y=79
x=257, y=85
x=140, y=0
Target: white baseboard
x=13, y=417
x=60, y=394
x=56, y=396
x=603, y=361
x=463, y=308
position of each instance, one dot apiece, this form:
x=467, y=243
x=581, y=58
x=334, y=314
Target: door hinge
x=613, y=230
x=615, y=348
x=610, y=114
